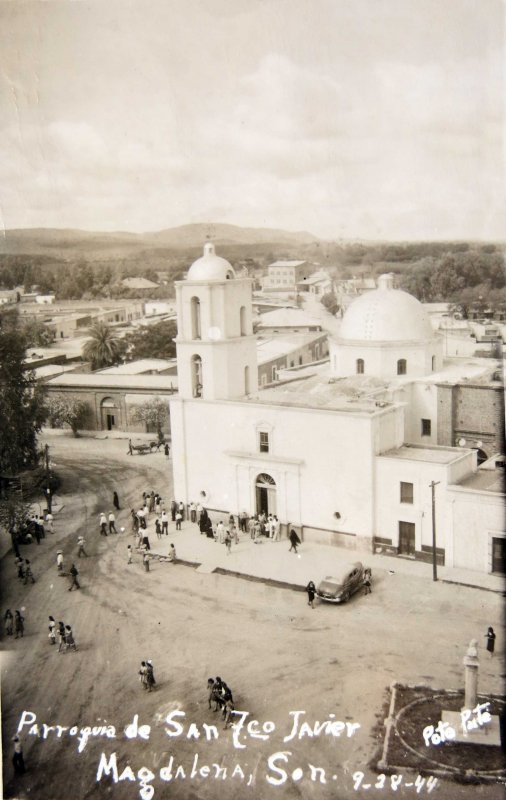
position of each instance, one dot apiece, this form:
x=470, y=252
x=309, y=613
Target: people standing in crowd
x=28, y=573
x=193, y=512
x=220, y=532
x=80, y=547
x=251, y=527
x=490, y=637
x=115, y=500
x=179, y=519
x=8, y=622
x=367, y=580
x=158, y=528
x=150, y=675
x=19, y=625
x=151, y=502
x=165, y=523
x=311, y=591
x=143, y=673
x=181, y=510
x=112, y=523
x=135, y=520
x=41, y=528
x=52, y=630
x=73, y=578
x=103, y=524
x=243, y=520
x=173, y=509
x=142, y=518
x=277, y=529
x=228, y=542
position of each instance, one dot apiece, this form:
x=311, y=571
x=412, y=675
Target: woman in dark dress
x=490, y=637
x=311, y=591
x=115, y=500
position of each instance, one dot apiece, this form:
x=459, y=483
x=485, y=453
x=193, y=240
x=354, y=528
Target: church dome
x=210, y=267
x=386, y=315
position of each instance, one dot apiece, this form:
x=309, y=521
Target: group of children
x=14, y=624
x=65, y=635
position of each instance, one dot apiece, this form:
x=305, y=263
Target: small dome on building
x=210, y=267
x=386, y=315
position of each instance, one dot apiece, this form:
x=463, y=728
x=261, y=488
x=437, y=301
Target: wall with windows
x=404, y=495
x=477, y=521
x=322, y=461
x=386, y=359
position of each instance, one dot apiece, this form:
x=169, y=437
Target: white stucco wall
x=476, y=517
x=322, y=461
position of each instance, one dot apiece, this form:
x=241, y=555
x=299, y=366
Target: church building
x=327, y=450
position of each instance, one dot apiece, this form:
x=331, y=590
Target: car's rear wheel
x=346, y=597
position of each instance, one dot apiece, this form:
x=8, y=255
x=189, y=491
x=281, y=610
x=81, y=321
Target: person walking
x=103, y=524
x=158, y=528
x=8, y=622
x=145, y=561
x=61, y=636
x=112, y=523
x=143, y=673
x=294, y=540
x=228, y=710
x=166, y=450
x=69, y=639
x=28, y=573
x=367, y=581
x=181, y=510
x=19, y=625
x=50, y=521
x=52, y=630
x=80, y=547
x=150, y=676
x=129, y=554
x=115, y=500
x=17, y=758
x=59, y=563
x=311, y=591
x=490, y=637
x=20, y=565
x=179, y=519
x=228, y=542
x=73, y=578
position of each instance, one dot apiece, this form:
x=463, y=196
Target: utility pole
x=433, y=485
x=48, y=479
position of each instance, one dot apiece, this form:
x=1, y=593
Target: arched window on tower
x=401, y=366
x=195, y=317
x=242, y=316
x=360, y=366
x=246, y=380
x=196, y=369
x=433, y=363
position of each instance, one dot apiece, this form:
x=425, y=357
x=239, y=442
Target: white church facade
x=328, y=458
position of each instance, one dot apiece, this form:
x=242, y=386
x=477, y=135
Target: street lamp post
x=49, y=499
x=433, y=485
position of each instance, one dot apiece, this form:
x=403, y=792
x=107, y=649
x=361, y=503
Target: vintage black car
x=339, y=589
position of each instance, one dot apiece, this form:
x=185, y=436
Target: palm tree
x=103, y=348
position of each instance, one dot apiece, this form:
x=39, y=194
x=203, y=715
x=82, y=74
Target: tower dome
x=210, y=267
x=386, y=315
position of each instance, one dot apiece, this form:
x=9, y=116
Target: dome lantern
x=210, y=267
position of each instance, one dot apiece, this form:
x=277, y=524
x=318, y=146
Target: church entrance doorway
x=407, y=539
x=265, y=494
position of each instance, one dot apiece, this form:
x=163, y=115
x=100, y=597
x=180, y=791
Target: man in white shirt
x=103, y=524
x=112, y=521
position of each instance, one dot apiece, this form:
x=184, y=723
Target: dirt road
x=278, y=655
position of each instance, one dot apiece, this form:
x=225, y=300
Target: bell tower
x=215, y=344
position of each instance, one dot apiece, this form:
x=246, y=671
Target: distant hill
x=69, y=243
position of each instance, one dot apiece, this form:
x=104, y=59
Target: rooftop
x=101, y=380
x=139, y=283
x=415, y=452
x=318, y=390
x=486, y=480
x=142, y=365
x=288, y=318
x=283, y=344
x=287, y=263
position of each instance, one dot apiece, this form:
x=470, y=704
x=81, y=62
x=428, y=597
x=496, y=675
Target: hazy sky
x=346, y=118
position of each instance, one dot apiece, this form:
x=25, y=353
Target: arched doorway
x=265, y=494
x=109, y=414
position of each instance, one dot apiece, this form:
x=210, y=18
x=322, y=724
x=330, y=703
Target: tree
x=329, y=300
x=154, y=413
x=37, y=335
x=22, y=410
x=153, y=341
x=103, y=348
x=63, y=409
